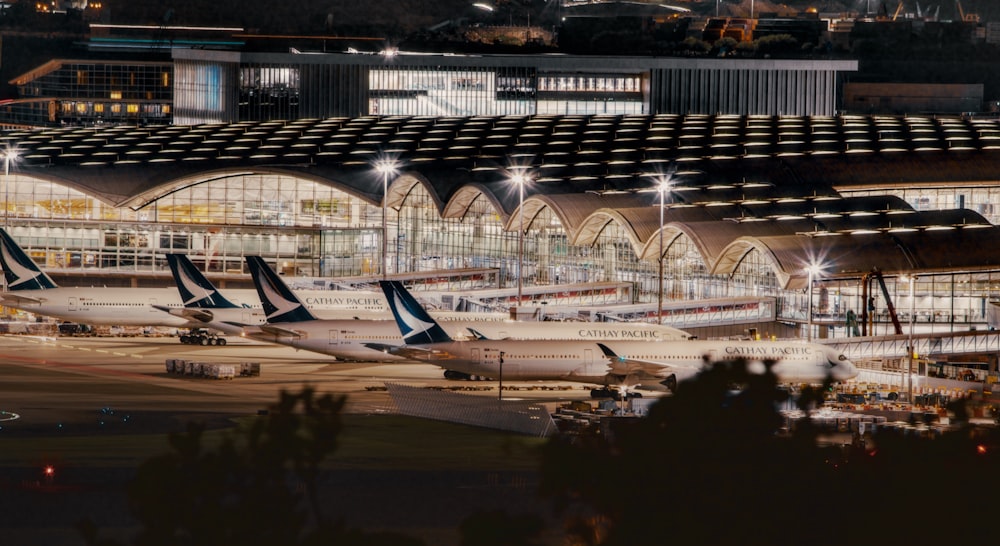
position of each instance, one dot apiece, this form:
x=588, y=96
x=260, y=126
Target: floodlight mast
x=386, y=167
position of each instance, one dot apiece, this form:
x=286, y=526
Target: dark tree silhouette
x=501, y=529
x=258, y=487
x=712, y=465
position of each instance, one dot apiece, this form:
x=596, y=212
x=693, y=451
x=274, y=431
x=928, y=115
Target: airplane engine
x=462, y=376
x=452, y=374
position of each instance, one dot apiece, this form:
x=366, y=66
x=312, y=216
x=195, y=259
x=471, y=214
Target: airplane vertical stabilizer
x=279, y=302
x=415, y=323
x=20, y=271
x=196, y=290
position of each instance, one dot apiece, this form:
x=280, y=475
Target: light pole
x=812, y=270
x=500, y=386
x=663, y=188
x=9, y=156
x=520, y=179
x=386, y=167
x=909, y=346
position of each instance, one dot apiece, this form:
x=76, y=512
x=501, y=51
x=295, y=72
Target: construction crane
x=868, y=308
x=899, y=8
x=967, y=17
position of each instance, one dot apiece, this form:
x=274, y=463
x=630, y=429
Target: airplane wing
x=191, y=313
x=278, y=331
x=406, y=351
x=623, y=365
x=17, y=299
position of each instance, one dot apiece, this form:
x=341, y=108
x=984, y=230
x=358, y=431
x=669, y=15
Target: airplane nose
x=847, y=370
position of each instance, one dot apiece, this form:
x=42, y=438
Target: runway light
x=981, y=449
x=49, y=471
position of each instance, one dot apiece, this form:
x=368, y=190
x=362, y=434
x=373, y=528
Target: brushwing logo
x=195, y=291
x=280, y=303
x=20, y=272
x=415, y=325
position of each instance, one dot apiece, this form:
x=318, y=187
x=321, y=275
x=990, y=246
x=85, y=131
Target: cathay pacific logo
x=281, y=304
x=408, y=319
x=21, y=273
x=194, y=290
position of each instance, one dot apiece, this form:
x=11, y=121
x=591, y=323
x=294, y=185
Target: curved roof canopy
x=729, y=183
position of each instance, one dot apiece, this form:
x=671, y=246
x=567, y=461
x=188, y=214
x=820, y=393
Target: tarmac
x=113, y=387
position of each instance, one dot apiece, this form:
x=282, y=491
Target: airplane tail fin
x=415, y=323
x=279, y=302
x=196, y=290
x=19, y=270
x=476, y=334
x=608, y=352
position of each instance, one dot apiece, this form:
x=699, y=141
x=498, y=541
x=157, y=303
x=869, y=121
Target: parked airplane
x=290, y=323
x=30, y=289
x=620, y=363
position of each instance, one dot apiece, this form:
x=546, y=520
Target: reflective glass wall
x=311, y=229
x=303, y=227
x=983, y=199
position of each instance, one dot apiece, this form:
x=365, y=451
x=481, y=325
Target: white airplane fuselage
x=122, y=306
x=584, y=362
x=347, y=339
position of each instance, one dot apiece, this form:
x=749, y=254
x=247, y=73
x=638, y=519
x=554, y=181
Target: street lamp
x=909, y=343
x=10, y=155
x=663, y=188
x=386, y=167
x=812, y=269
x=520, y=179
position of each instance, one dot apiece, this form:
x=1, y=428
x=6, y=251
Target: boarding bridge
x=679, y=314
x=929, y=345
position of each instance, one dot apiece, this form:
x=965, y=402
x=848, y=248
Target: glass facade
x=269, y=92
x=71, y=92
x=981, y=199
x=500, y=91
x=312, y=229
x=269, y=86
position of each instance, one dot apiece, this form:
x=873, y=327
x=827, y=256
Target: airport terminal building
x=738, y=174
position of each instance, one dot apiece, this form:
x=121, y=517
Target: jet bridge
x=860, y=349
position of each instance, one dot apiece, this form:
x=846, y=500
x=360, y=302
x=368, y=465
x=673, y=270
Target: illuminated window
x=165, y=79
x=116, y=95
x=116, y=108
x=132, y=108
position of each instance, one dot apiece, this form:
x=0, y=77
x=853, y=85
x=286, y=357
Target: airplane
x=31, y=290
x=290, y=323
x=650, y=365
